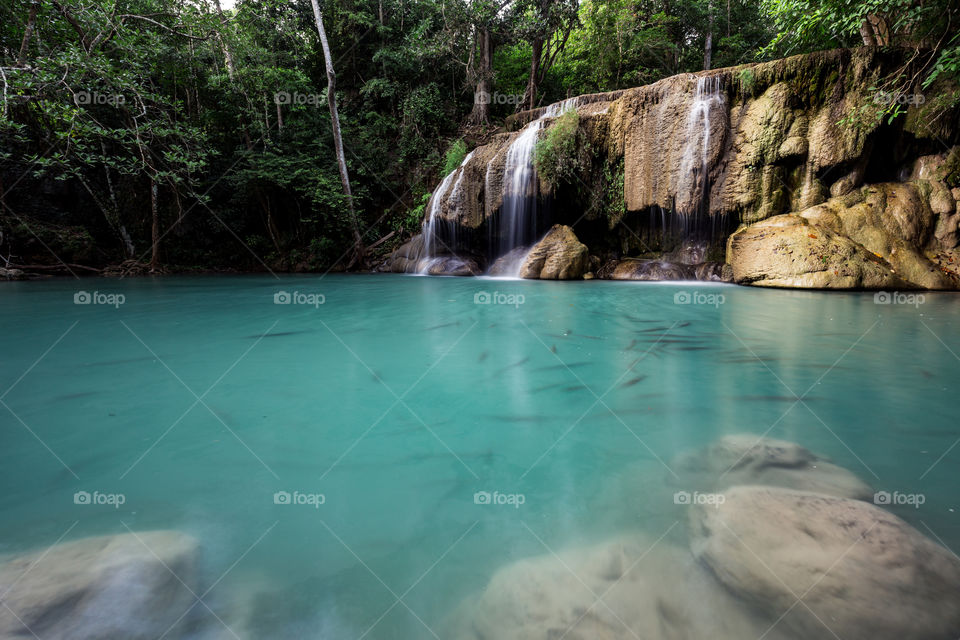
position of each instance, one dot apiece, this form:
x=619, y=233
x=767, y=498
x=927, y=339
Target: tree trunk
x=708, y=46
x=337, y=140
x=227, y=54
x=28, y=32
x=530, y=94
x=483, y=95
x=874, y=31
x=154, y=228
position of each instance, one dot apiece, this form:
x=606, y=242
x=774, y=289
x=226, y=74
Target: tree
x=932, y=27
x=546, y=25
x=708, y=46
x=337, y=140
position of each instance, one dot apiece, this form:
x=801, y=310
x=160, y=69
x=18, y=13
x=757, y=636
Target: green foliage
x=947, y=63
x=231, y=160
x=625, y=43
x=454, y=157
x=804, y=25
x=615, y=205
x=559, y=155
x=746, y=81
x=415, y=215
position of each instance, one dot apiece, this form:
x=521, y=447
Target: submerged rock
x=558, y=256
x=631, y=587
x=122, y=587
x=858, y=572
x=748, y=459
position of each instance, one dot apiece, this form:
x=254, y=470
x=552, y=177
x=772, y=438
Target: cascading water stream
x=694, y=164
x=693, y=188
x=518, y=214
x=429, y=255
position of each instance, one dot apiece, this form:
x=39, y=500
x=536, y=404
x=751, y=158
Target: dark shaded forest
x=173, y=135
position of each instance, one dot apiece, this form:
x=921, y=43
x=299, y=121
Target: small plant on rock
x=562, y=153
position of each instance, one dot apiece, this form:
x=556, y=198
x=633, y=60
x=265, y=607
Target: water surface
x=400, y=398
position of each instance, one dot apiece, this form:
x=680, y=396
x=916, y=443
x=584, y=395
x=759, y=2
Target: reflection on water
x=618, y=411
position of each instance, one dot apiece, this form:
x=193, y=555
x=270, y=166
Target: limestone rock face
x=746, y=459
x=558, y=256
x=789, y=251
x=123, y=587
x=657, y=134
x=404, y=259
x=861, y=572
x=882, y=235
x=767, y=143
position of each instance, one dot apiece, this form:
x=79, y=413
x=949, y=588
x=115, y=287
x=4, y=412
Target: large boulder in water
x=404, y=259
x=627, y=588
x=558, y=256
x=452, y=266
x=829, y=567
x=410, y=258
x=748, y=459
x=886, y=235
x=788, y=251
x=123, y=587
x=896, y=222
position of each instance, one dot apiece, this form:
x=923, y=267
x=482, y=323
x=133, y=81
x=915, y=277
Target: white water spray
x=429, y=255
x=518, y=214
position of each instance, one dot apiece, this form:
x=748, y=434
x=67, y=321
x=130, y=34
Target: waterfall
x=687, y=223
x=694, y=187
x=518, y=224
x=429, y=254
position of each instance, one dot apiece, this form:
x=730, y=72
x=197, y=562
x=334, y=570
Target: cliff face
x=709, y=154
